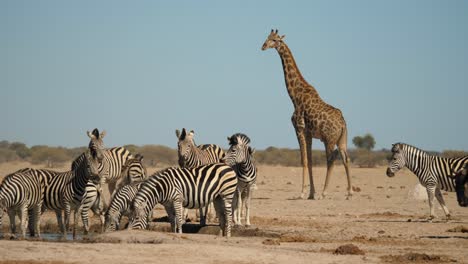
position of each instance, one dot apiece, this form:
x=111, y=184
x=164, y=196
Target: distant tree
x=21, y=149
x=366, y=142
x=4, y=144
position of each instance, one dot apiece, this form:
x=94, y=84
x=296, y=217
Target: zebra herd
x=206, y=175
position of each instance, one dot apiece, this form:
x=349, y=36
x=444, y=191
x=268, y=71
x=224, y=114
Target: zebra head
x=133, y=170
x=273, y=40
x=184, y=145
x=398, y=160
x=461, y=186
x=239, y=151
x=92, y=167
x=96, y=145
x=112, y=222
x=139, y=218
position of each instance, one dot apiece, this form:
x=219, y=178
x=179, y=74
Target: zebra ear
x=251, y=150
x=103, y=134
x=183, y=134
x=191, y=133
x=177, y=133
x=139, y=157
x=90, y=135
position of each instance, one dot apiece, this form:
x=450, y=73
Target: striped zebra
x=20, y=193
x=120, y=206
x=461, y=186
x=192, y=156
x=176, y=188
x=133, y=174
x=435, y=173
x=66, y=191
x=112, y=162
x=240, y=158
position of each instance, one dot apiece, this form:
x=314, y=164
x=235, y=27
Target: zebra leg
x=23, y=215
x=202, y=216
x=179, y=211
x=67, y=218
x=440, y=198
x=12, y=215
x=430, y=195
x=171, y=216
x=60, y=223
x=75, y=221
x=246, y=203
x=237, y=207
x=37, y=217
x=84, y=218
x=219, y=208
x=227, y=216
x=31, y=222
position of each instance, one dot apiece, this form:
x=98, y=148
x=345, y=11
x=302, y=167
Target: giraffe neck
x=295, y=83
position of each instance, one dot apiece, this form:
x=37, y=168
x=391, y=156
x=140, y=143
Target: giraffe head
x=273, y=40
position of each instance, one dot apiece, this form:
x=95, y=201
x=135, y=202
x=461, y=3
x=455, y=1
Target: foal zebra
x=132, y=175
x=66, y=191
x=176, y=188
x=240, y=158
x=435, y=173
x=192, y=156
x=21, y=192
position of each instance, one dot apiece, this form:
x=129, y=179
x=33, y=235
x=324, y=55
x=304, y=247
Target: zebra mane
x=239, y=138
x=408, y=147
x=96, y=132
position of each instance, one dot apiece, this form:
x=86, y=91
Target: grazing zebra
x=133, y=174
x=21, y=192
x=192, y=156
x=240, y=158
x=435, y=173
x=66, y=191
x=120, y=206
x=461, y=186
x=176, y=188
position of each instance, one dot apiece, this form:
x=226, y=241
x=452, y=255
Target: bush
x=49, y=155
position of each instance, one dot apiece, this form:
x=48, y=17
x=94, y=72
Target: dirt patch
x=459, y=229
x=348, y=249
x=296, y=238
x=385, y=214
x=271, y=242
x=416, y=258
x=33, y=262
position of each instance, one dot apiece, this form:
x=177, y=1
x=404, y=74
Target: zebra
x=112, y=162
x=435, y=173
x=120, y=206
x=240, y=158
x=21, y=193
x=133, y=174
x=461, y=186
x=192, y=156
x=176, y=188
x=66, y=191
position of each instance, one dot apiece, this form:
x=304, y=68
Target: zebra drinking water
x=192, y=156
x=176, y=188
x=240, y=158
x=435, y=173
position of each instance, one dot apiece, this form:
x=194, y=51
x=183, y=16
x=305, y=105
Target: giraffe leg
x=299, y=126
x=343, y=149
x=440, y=198
x=309, y=165
x=331, y=156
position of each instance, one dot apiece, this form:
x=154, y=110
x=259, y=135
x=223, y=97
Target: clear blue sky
x=141, y=69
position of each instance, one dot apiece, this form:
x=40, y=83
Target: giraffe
x=312, y=118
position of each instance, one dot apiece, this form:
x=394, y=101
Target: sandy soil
x=383, y=220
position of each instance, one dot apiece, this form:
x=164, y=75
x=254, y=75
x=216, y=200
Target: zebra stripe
x=65, y=191
x=434, y=172
x=240, y=158
x=176, y=188
x=21, y=192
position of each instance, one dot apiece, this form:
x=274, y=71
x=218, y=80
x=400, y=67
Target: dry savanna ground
x=384, y=222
